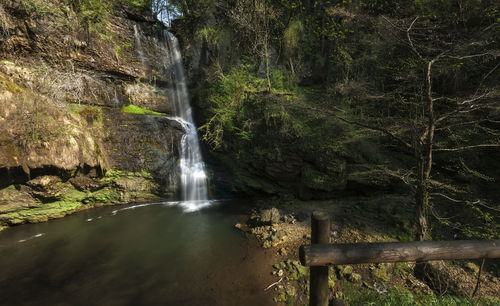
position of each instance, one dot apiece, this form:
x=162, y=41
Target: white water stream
x=193, y=178
x=193, y=175
x=138, y=44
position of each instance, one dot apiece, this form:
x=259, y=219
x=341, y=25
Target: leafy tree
x=256, y=19
x=429, y=116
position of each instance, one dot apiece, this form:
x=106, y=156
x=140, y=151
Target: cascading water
x=138, y=44
x=193, y=175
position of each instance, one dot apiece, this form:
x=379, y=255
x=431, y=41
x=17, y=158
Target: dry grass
x=65, y=86
x=60, y=86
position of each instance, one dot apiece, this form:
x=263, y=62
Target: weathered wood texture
x=320, y=233
x=357, y=253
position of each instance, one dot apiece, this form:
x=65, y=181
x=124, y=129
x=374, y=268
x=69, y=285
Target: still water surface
x=128, y=255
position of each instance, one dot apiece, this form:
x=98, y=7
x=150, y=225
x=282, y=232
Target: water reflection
x=135, y=255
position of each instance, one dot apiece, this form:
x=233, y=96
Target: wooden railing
x=321, y=253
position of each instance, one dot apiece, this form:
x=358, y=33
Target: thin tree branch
x=273, y=284
x=371, y=127
x=489, y=145
x=478, y=202
x=446, y=197
x=469, y=109
x=392, y=24
x=486, y=76
x=466, y=123
x=469, y=56
x=474, y=98
x=478, y=282
x=409, y=38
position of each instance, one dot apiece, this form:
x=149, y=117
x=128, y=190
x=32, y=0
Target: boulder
x=270, y=216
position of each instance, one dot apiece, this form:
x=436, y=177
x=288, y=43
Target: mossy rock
x=380, y=273
x=345, y=271
x=290, y=290
x=12, y=199
x=269, y=216
x=355, y=277
x=294, y=269
x=471, y=267
x=104, y=195
x=280, y=298
x=43, y=213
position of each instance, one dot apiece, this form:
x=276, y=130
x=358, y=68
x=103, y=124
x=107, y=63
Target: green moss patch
x=133, y=109
x=43, y=213
x=116, y=187
x=106, y=195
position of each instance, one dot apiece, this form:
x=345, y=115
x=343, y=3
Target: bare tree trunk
x=268, y=73
x=422, y=202
x=423, y=154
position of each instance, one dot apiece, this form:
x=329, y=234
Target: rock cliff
x=83, y=109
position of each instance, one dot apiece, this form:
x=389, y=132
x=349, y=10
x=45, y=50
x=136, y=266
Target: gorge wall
x=83, y=109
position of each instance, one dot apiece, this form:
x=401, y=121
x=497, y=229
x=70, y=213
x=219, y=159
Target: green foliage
x=145, y=4
x=210, y=35
x=355, y=56
x=35, y=6
x=186, y=10
x=133, y=109
x=454, y=10
x=292, y=36
x=278, y=80
x=398, y=296
x=123, y=49
x=90, y=12
x=227, y=99
x=292, y=4
x=241, y=106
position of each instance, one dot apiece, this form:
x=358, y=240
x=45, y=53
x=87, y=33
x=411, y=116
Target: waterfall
x=116, y=101
x=138, y=44
x=193, y=176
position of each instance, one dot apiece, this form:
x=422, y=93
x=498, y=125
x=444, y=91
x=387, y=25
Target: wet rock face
x=138, y=142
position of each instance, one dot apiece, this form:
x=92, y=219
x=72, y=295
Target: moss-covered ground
x=63, y=198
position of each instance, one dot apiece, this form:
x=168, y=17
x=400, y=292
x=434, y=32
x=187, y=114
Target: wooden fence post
x=320, y=234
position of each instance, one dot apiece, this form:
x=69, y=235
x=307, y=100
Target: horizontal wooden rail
x=357, y=253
